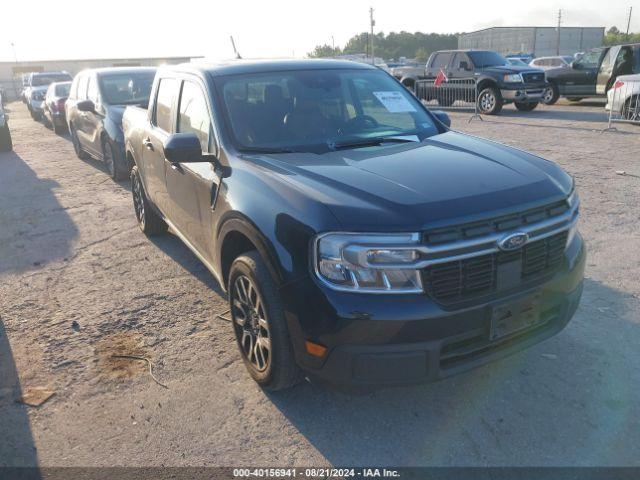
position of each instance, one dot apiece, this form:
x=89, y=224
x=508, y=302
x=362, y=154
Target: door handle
x=147, y=144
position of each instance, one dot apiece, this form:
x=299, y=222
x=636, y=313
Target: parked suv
x=593, y=74
x=37, y=85
x=498, y=82
x=94, y=111
x=360, y=241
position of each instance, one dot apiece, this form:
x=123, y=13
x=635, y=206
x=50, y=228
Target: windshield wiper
x=368, y=142
x=266, y=150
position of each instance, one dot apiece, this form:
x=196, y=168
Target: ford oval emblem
x=513, y=241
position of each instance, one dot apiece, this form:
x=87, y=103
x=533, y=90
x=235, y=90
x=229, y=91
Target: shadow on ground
x=17, y=448
x=179, y=253
x=569, y=401
x=34, y=227
x=559, y=114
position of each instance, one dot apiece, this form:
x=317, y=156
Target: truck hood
x=505, y=69
x=445, y=179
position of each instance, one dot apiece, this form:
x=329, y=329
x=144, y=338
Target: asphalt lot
x=79, y=281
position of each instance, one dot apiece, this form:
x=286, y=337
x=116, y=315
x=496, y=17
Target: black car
x=54, y=104
x=94, y=109
x=360, y=241
x=593, y=74
x=492, y=80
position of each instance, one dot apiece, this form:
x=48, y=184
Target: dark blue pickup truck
x=359, y=239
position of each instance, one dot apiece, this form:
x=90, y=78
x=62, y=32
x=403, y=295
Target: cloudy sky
x=261, y=28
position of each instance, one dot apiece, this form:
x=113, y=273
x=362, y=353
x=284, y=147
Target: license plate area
x=514, y=317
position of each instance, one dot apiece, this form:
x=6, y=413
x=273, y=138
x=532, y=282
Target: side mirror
x=183, y=147
x=442, y=117
x=576, y=65
x=86, y=106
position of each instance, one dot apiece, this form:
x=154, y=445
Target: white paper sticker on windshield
x=394, y=102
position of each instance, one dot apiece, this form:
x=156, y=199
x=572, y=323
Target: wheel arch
x=237, y=235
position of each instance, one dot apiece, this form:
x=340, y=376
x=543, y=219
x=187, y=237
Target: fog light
x=315, y=349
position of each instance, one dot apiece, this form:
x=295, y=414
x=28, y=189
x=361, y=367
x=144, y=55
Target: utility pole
x=558, y=37
x=235, y=50
x=372, y=22
x=629, y=22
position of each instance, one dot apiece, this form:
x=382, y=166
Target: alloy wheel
x=547, y=95
x=250, y=323
x=487, y=101
x=138, y=200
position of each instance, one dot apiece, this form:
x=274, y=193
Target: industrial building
x=539, y=41
x=11, y=73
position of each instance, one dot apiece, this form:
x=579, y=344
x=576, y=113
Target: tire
x=57, y=129
x=490, y=101
x=259, y=325
x=112, y=162
x=6, y=144
x=80, y=153
x=526, y=106
x=574, y=99
x=551, y=94
x=35, y=115
x=148, y=219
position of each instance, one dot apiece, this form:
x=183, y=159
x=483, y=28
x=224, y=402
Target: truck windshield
x=316, y=110
x=127, y=88
x=487, y=59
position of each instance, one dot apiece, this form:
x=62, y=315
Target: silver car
x=623, y=98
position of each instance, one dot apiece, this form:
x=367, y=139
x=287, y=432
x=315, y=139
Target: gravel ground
x=79, y=282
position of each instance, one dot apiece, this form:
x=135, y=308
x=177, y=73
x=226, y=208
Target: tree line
x=416, y=45
x=420, y=45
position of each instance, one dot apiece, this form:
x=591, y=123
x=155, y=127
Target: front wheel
x=112, y=162
x=550, y=95
x=526, y=106
x=259, y=324
x=148, y=219
x=490, y=101
x=80, y=153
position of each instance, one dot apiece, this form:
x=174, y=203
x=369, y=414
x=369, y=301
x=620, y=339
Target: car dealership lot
x=79, y=282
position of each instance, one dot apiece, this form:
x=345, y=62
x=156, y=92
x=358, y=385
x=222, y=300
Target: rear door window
x=167, y=90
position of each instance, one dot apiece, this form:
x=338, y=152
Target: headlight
x=574, y=203
x=513, y=78
x=371, y=263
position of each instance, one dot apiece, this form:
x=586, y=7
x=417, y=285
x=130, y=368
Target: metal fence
x=624, y=103
x=450, y=94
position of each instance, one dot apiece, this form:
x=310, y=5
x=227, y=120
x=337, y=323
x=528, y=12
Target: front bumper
x=391, y=340
x=523, y=93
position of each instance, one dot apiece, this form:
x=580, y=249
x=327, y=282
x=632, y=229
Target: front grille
x=533, y=77
x=495, y=225
x=471, y=278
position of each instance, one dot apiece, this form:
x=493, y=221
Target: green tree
x=324, y=51
x=616, y=37
x=395, y=44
